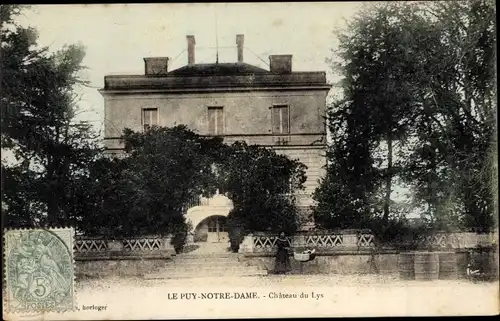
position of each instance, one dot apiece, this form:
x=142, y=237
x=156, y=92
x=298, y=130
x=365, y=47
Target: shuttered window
x=149, y=117
x=215, y=120
x=280, y=119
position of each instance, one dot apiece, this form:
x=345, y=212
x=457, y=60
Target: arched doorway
x=212, y=229
x=208, y=220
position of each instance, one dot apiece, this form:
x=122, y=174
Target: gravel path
x=268, y=281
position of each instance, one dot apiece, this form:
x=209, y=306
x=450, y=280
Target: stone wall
x=324, y=241
x=201, y=232
x=366, y=262
x=315, y=160
x=130, y=266
x=95, y=257
x=350, y=252
x=340, y=253
x=338, y=263
x=244, y=113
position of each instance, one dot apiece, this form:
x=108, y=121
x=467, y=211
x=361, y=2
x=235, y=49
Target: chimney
x=156, y=65
x=280, y=64
x=191, y=42
x=240, y=40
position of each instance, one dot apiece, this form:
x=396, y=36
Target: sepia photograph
x=249, y=160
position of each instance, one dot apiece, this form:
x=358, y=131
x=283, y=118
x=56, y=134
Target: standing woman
x=282, y=264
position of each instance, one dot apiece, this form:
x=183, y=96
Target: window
x=212, y=226
x=217, y=225
x=215, y=120
x=280, y=119
x=222, y=226
x=149, y=117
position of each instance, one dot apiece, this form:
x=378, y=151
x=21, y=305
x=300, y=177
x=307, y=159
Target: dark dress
x=282, y=264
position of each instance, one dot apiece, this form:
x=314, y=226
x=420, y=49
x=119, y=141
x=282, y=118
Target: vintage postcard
x=249, y=160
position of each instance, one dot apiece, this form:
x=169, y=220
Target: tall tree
x=38, y=105
x=460, y=101
x=351, y=175
x=379, y=63
x=420, y=75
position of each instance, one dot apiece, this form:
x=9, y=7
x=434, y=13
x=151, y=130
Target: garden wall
x=339, y=263
x=364, y=240
x=96, y=257
x=346, y=252
x=349, y=252
x=363, y=262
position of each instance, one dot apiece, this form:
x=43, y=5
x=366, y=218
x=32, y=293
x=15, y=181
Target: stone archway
x=212, y=229
x=210, y=217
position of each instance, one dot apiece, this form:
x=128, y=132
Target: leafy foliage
x=345, y=193
x=163, y=169
x=450, y=166
x=236, y=231
x=261, y=183
x=146, y=191
x=419, y=77
x=38, y=103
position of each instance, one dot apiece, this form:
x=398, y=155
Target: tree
x=146, y=191
x=344, y=196
x=261, y=184
x=420, y=76
x=472, y=95
x=456, y=127
x=379, y=62
x=38, y=105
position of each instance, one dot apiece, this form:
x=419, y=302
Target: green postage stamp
x=39, y=270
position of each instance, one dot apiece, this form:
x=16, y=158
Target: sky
x=117, y=37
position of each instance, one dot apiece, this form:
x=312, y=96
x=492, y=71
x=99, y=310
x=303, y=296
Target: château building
x=279, y=108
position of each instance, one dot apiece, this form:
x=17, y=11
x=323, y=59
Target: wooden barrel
x=494, y=264
x=426, y=266
x=463, y=259
x=406, y=266
x=448, y=266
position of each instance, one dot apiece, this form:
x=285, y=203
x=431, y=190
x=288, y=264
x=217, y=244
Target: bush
x=179, y=237
x=178, y=241
x=396, y=232
x=236, y=232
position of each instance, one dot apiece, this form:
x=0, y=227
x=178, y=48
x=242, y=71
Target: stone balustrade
x=262, y=243
x=151, y=246
x=99, y=248
x=84, y=246
x=361, y=240
x=461, y=240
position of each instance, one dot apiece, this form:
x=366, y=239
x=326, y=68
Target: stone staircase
x=206, y=265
